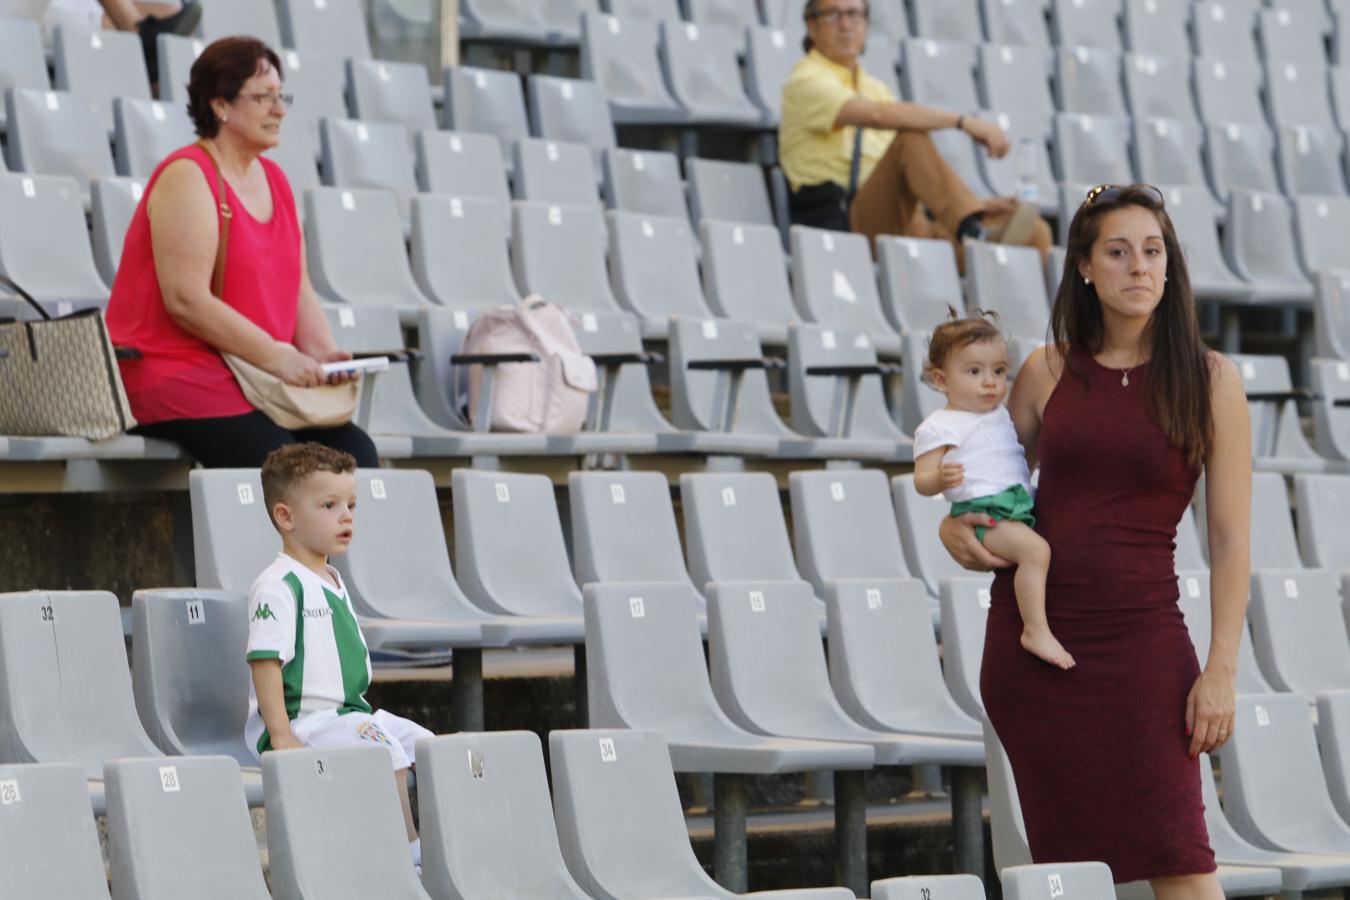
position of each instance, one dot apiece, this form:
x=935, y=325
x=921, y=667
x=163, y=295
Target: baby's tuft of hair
x=957, y=332
x=287, y=467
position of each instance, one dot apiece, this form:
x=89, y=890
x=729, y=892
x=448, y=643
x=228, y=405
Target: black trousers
x=243, y=442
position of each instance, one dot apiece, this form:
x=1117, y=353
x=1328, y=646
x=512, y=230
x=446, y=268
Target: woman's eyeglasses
x=1108, y=192
x=272, y=100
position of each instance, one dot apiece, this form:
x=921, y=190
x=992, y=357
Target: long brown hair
x=1177, y=380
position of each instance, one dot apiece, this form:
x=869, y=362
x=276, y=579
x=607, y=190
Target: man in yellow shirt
x=858, y=159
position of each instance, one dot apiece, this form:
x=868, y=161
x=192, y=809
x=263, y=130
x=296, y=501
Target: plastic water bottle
x=1027, y=189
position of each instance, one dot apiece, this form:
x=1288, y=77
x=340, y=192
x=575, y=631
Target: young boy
x=308, y=657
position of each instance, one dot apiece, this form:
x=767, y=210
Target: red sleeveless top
x=180, y=376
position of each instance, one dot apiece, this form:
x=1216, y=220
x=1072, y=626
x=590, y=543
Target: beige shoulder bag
x=291, y=407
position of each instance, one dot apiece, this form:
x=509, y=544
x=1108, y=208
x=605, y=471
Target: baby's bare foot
x=1042, y=643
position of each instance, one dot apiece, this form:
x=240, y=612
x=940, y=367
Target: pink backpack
x=551, y=395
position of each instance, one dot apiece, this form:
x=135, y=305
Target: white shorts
x=326, y=728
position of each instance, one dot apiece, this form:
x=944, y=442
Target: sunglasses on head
x=1109, y=192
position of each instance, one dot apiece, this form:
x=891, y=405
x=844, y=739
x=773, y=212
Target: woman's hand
x=333, y=356
x=957, y=534
x=294, y=367
x=1210, y=711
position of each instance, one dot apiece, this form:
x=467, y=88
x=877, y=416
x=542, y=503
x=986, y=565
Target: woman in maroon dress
x=1124, y=410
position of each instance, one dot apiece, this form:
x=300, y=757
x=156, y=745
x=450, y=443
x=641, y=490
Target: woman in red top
x=162, y=305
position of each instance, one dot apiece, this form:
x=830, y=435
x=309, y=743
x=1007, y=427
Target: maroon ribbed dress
x=1100, y=751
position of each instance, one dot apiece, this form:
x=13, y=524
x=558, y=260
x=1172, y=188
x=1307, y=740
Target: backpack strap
x=226, y=214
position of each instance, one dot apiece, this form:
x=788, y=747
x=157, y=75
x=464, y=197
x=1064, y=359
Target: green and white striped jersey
x=296, y=617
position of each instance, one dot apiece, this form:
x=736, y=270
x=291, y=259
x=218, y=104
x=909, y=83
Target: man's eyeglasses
x=272, y=100
x=1108, y=192
x=835, y=16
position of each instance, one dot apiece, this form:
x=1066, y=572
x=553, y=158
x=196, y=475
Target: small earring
x=224, y=119
x=1087, y=281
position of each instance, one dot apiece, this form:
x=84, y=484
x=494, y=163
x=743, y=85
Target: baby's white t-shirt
x=984, y=443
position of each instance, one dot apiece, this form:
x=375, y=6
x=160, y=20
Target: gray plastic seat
x=653, y=268
x=464, y=165
x=395, y=92
x=1310, y=160
x=1085, y=880
x=744, y=277
x=317, y=80
x=644, y=181
x=1191, y=209
x=1169, y=152
x=834, y=284
x=1278, y=443
x=1227, y=92
x=570, y=109
x=881, y=60
x=336, y=27
x=1260, y=242
x=51, y=713
x=355, y=246
x=1299, y=633
x=717, y=508
x=1194, y=602
x=44, y=244
x=647, y=10
x=605, y=780
x=1274, y=545
x=1241, y=157
x=1297, y=94
x=770, y=54
x=298, y=157
x=486, y=101
x=57, y=133
x=1026, y=134
x=458, y=257
x=1015, y=80
x=940, y=73
x=113, y=204
x=176, y=54
x=734, y=13
x=146, y=132
x=375, y=155
x=835, y=389
x=1151, y=84
x=1340, y=87
x=1225, y=31
x=1086, y=23
x=1321, y=539
x=1088, y=81
x=165, y=813
x=929, y=887
x=48, y=839
x=1010, y=281
x=623, y=529
x=317, y=849
x=919, y=282
x=521, y=22
x=252, y=17
x=964, y=605
x=918, y=517
x=548, y=171
x=728, y=192
x=1330, y=292
x=1333, y=737
x=621, y=56
x=22, y=64
x=1330, y=383
x=622, y=416
x=559, y=252
x=702, y=71
x=1290, y=34
x=1017, y=22
x=487, y=828
x=188, y=671
x=947, y=20
x=1093, y=149
x=1158, y=28
x=1275, y=792
x=100, y=65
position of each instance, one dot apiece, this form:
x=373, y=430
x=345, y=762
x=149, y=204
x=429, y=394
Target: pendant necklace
x=1124, y=373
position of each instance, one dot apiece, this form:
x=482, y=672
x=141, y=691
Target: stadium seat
x=548, y=171
x=44, y=244
x=1225, y=33
x=520, y=22
x=358, y=265
x=22, y=64
x=1274, y=545
x=1093, y=149
x=181, y=828
x=1169, y=152
x=888, y=17
x=605, y=780
x=623, y=529
x=1157, y=28
x=1318, y=220
x=1007, y=829
x=621, y=56
x=929, y=887
x=644, y=181
x=500, y=519
x=1072, y=881
x=336, y=27
x=297, y=156
x=57, y=133
x=1310, y=161
x=654, y=270
x=569, y=109
x=1026, y=133
x=375, y=155
x=1331, y=383
x=1015, y=81
x=1194, y=602
x=458, y=257
x=918, y=398
x=1330, y=292
x=881, y=60
x=176, y=54
x=1291, y=35
x=486, y=101
x=113, y=204
x=1275, y=792
x=1297, y=94
x=728, y=192
x=919, y=282
x=1299, y=633
x=1086, y=23
x=257, y=18
x=383, y=91
x=733, y=13
x=559, y=252
x=918, y=517
x=100, y=65
x=1011, y=282
x=1333, y=737
x=188, y=671
x=1260, y=242
x=317, y=81
x=1278, y=443
x=700, y=63
x=1088, y=81
x=834, y=284
x=744, y=277
x=487, y=827
x=622, y=416
x=1318, y=500
x=146, y=132
x=315, y=846
x=770, y=54
x=467, y=166
x=651, y=10
x=947, y=20
x=1241, y=157
x=1228, y=92
x=51, y=712
x=1192, y=212
x=1017, y=22
x=48, y=840
x=940, y=73
x=837, y=389
x=1151, y=85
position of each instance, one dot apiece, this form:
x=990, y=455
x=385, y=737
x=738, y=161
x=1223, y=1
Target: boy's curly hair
x=957, y=332
x=289, y=465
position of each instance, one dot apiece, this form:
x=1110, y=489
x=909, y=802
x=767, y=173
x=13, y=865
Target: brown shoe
x=1018, y=227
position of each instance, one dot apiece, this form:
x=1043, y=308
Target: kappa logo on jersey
x=263, y=613
x=369, y=731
